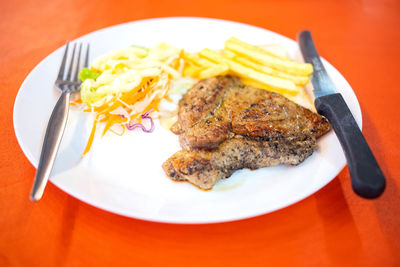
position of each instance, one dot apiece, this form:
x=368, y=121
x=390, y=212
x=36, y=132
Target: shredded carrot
x=154, y=104
x=91, y=138
x=140, y=94
x=166, y=97
x=126, y=98
x=111, y=121
x=76, y=102
x=119, y=134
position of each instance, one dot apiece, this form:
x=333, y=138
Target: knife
x=367, y=178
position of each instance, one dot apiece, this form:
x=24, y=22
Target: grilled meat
x=217, y=108
x=204, y=168
x=224, y=126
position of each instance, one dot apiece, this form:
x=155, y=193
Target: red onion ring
x=141, y=126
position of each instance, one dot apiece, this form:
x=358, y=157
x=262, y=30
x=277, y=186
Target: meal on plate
x=241, y=107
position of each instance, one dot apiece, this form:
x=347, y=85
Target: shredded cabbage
x=122, y=70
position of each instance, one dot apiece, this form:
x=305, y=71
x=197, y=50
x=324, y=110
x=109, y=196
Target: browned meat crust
x=224, y=126
x=217, y=108
x=200, y=100
x=204, y=168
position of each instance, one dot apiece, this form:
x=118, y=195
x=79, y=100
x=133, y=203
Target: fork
x=67, y=82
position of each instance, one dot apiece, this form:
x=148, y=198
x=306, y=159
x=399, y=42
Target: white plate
x=124, y=175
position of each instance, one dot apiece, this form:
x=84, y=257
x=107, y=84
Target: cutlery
x=367, y=178
x=67, y=82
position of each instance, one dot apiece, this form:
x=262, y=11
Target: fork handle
x=51, y=143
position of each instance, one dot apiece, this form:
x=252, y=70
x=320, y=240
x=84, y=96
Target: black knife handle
x=366, y=177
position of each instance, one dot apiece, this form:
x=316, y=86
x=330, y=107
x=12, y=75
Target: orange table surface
x=332, y=227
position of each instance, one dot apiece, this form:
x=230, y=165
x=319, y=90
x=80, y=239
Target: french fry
x=302, y=98
x=276, y=49
x=195, y=59
x=276, y=84
x=302, y=69
x=229, y=54
x=218, y=69
x=191, y=70
x=255, y=84
x=268, y=50
x=213, y=56
x=298, y=80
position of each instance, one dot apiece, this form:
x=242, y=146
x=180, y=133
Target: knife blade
x=367, y=178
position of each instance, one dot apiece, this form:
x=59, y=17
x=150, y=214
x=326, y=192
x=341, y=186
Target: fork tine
x=78, y=64
x=63, y=63
x=86, y=64
x=71, y=64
